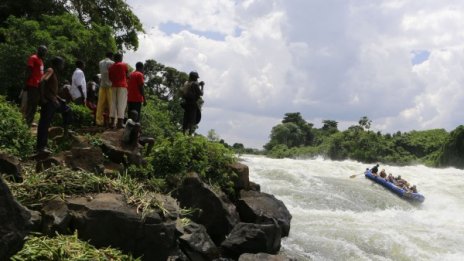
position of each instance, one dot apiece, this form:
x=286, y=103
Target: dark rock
x=254, y=186
x=13, y=222
x=11, y=166
x=44, y=164
x=35, y=221
x=55, y=218
x=263, y=257
x=243, y=173
x=171, y=209
x=263, y=208
x=196, y=243
x=252, y=238
x=216, y=213
x=117, y=151
x=107, y=220
x=86, y=158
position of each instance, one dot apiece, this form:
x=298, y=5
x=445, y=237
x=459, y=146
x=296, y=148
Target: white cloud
x=331, y=59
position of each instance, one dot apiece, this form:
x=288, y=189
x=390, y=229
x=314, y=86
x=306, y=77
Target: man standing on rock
x=118, y=74
x=135, y=92
x=191, y=92
x=104, y=93
x=78, y=85
x=35, y=71
x=51, y=103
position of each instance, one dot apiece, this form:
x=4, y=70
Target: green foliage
x=157, y=120
x=64, y=35
x=173, y=158
x=64, y=248
x=82, y=116
x=452, y=152
x=115, y=14
x=15, y=137
x=358, y=143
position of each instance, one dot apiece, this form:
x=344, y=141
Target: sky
x=398, y=62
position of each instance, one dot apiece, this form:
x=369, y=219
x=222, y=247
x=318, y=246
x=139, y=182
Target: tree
x=64, y=35
x=288, y=134
x=330, y=126
x=365, y=123
x=213, y=136
x=116, y=14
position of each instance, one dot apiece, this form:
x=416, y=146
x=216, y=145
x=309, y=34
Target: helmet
x=193, y=75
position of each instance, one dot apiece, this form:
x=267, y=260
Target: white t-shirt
x=103, y=66
x=78, y=79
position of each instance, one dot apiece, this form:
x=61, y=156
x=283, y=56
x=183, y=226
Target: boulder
x=13, y=223
x=119, y=152
x=214, y=211
x=107, y=220
x=55, y=217
x=10, y=166
x=252, y=238
x=262, y=257
x=254, y=186
x=44, y=164
x=243, y=174
x=263, y=208
x=86, y=158
x=196, y=243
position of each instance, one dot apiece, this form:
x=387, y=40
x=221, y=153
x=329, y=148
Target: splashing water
x=338, y=218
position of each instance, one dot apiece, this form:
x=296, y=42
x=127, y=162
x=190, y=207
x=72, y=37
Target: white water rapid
x=338, y=218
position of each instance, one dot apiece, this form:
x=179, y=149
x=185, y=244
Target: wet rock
x=252, y=238
x=13, y=222
x=11, y=167
x=243, y=173
x=215, y=212
x=255, y=186
x=263, y=208
x=263, y=257
x=196, y=243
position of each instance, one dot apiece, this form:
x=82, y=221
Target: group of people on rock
x=108, y=94
x=398, y=181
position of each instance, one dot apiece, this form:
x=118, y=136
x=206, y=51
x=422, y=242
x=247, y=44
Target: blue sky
x=398, y=62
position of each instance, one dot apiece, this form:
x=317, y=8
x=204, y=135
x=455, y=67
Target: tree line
x=294, y=137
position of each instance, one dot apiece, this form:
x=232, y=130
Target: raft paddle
x=354, y=176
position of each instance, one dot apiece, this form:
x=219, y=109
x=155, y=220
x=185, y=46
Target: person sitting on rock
x=132, y=133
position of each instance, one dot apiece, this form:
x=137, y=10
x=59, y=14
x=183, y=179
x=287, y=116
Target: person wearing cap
x=191, y=93
x=35, y=71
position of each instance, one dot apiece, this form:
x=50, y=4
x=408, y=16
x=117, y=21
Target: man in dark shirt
x=375, y=169
x=50, y=103
x=191, y=92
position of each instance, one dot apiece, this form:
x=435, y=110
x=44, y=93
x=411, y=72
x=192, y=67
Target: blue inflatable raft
x=410, y=196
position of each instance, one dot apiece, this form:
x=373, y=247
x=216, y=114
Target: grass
x=66, y=248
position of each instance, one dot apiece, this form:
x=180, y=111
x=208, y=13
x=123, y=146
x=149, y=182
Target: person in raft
x=375, y=169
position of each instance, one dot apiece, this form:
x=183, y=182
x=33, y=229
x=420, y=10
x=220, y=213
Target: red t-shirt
x=117, y=74
x=133, y=89
x=37, y=66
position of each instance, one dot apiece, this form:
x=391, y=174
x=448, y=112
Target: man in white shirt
x=78, y=89
x=104, y=92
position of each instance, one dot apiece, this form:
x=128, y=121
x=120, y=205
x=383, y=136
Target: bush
x=82, y=116
x=15, y=137
x=173, y=158
x=156, y=120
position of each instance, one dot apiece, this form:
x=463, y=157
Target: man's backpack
x=186, y=91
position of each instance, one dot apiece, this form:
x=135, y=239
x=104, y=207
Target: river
x=340, y=218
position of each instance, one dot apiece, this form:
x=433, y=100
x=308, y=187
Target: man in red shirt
x=135, y=92
x=118, y=74
x=35, y=71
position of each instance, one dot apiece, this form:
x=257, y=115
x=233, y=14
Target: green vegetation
x=294, y=137
x=64, y=248
x=15, y=137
